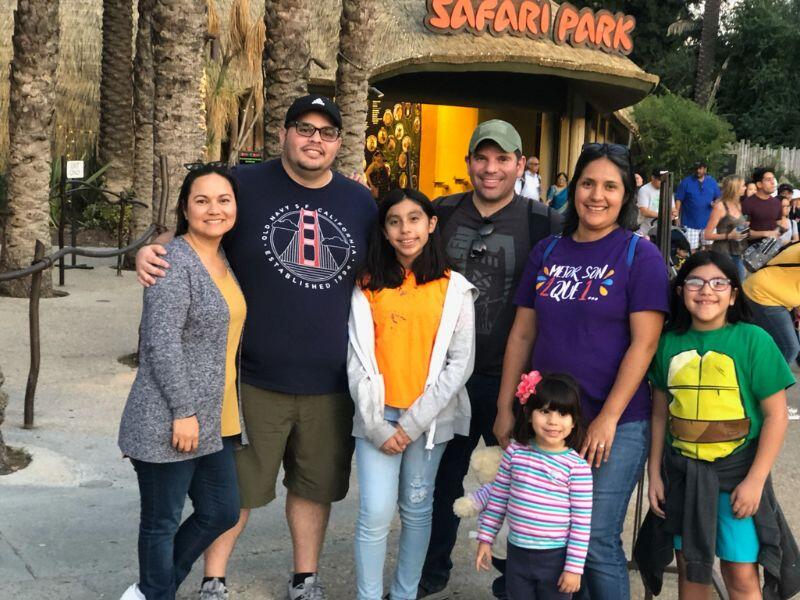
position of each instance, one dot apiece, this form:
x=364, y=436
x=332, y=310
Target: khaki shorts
x=310, y=435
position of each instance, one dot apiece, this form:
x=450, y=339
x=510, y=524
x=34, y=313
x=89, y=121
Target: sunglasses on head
x=478, y=247
x=619, y=149
x=196, y=166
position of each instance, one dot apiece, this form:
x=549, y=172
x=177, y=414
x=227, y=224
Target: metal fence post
x=33, y=317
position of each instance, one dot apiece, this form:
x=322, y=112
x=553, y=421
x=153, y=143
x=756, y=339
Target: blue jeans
x=778, y=323
x=386, y=482
x=483, y=391
x=740, y=269
x=606, y=572
x=167, y=547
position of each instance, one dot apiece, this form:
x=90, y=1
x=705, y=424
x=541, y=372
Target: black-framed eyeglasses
x=478, y=247
x=329, y=133
x=717, y=284
x=620, y=149
x=196, y=166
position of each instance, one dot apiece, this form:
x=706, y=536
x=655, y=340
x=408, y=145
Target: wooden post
x=577, y=132
x=546, y=152
x=121, y=230
x=33, y=316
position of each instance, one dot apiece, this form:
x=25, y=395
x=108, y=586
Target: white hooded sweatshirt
x=443, y=409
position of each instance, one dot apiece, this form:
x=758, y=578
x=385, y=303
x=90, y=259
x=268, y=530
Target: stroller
x=679, y=248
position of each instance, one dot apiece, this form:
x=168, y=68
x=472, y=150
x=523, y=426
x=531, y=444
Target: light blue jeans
x=606, y=572
x=385, y=482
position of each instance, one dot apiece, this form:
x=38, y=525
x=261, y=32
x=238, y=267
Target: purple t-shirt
x=583, y=297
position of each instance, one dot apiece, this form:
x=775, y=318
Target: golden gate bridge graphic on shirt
x=310, y=245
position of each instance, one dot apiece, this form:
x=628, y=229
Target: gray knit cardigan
x=183, y=337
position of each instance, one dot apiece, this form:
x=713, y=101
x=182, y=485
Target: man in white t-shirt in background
x=647, y=200
x=529, y=185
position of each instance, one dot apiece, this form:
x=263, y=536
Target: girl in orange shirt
x=412, y=349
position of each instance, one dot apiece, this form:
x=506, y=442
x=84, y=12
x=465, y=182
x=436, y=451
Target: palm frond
x=685, y=27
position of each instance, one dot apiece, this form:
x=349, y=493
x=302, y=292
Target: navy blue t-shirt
x=295, y=252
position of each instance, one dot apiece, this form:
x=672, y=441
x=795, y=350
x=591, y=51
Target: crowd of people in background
x=289, y=321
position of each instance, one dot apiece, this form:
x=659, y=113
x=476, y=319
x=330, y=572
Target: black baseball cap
x=314, y=103
x=700, y=163
x=785, y=187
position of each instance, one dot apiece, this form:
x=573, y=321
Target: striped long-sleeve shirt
x=547, y=498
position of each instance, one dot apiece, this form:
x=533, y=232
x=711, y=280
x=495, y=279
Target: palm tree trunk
x=115, y=144
x=352, y=80
x=31, y=107
x=287, y=53
x=707, y=55
x=143, y=97
x=179, y=28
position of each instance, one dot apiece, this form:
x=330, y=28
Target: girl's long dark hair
x=382, y=269
x=556, y=391
x=621, y=158
x=181, y=224
x=680, y=319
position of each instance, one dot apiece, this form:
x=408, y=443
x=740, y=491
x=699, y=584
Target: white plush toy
x=484, y=463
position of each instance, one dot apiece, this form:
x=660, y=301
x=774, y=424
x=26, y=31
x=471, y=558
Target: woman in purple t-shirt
x=592, y=303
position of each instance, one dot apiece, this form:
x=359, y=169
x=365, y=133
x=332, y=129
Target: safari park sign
x=580, y=28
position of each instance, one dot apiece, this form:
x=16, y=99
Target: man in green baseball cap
x=500, y=132
x=488, y=233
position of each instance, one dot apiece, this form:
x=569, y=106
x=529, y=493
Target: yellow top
x=775, y=286
x=406, y=322
x=237, y=309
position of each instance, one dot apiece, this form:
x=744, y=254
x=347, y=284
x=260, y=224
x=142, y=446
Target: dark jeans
x=779, y=324
x=533, y=574
x=167, y=547
x=483, y=391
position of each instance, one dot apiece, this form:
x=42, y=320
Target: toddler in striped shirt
x=544, y=489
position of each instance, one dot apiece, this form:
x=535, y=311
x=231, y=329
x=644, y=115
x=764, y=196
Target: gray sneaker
x=310, y=589
x=213, y=590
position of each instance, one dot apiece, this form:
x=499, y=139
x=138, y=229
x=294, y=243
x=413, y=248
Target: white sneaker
x=133, y=593
x=310, y=589
x=794, y=415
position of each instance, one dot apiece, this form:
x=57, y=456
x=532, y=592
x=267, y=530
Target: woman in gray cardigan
x=182, y=415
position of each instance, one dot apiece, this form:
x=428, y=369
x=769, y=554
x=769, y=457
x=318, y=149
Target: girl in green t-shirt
x=719, y=383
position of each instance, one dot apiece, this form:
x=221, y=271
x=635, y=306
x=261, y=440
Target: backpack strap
x=550, y=247
x=543, y=221
x=632, y=249
x=445, y=207
x=634, y=241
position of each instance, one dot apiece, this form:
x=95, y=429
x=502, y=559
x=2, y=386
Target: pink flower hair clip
x=527, y=386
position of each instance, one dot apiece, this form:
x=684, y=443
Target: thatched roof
x=404, y=46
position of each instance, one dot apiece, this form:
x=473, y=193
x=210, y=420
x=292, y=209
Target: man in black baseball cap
x=314, y=103
x=300, y=238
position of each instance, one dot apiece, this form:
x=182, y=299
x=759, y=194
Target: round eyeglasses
x=329, y=133
x=717, y=284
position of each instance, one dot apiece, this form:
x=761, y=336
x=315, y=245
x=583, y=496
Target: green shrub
x=675, y=133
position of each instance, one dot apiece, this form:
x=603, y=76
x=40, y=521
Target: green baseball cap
x=500, y=132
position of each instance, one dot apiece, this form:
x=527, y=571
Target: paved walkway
x=68, y=522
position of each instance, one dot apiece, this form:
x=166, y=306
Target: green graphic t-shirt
x=715, y=380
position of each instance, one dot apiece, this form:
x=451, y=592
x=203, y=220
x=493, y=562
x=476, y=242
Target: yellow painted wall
x=445, y=136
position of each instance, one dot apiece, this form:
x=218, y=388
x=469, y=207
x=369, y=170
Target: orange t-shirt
x=406, y=322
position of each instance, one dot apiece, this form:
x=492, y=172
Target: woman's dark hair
x=621, y=157
x=559, y=174
x=382, y=269
x=181, y=224
x=680, y=319
x=556, y=391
